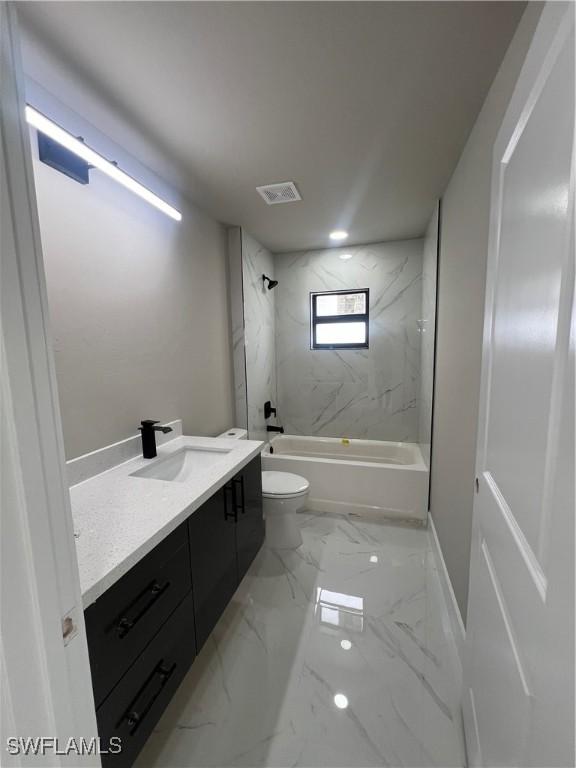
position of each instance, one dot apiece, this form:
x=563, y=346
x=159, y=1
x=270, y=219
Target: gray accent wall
x=138, y=310
x=367, y=393
x=462, y=276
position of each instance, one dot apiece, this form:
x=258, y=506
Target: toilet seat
x=283, y=485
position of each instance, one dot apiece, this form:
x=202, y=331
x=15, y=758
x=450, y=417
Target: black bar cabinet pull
x=137, y=711
x=239, y=483
x=229, y=503
x=146, y=599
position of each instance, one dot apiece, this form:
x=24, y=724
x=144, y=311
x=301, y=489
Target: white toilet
x=284, y=494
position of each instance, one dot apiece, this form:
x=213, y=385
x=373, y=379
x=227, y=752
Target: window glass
x=341, y=333
x=340, y=304
x=339, y=319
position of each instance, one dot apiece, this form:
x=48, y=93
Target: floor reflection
x=334, y=654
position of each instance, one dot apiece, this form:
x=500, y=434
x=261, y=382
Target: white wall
x=427, y=334
x=366, y=393
x=462, y=268
x=138, y=307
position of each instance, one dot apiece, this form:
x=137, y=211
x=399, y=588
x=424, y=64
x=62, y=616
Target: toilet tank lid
x=236, y=433
x=283, y=483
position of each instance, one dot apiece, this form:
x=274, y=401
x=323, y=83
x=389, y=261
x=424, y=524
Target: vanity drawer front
x=133, y=708
x=122, y=622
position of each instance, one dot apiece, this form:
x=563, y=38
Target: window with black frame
x=339, y=319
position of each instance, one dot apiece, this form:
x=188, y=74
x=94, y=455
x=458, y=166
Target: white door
x=46, y=687
x=519, y=654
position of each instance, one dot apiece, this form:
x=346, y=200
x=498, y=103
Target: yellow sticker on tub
x=345, y=441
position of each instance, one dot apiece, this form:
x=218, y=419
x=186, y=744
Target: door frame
x=46, y=681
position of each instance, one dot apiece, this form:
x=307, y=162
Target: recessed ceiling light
x=338, y=234
x=373, y=558
x=346, y=256
x=341, y=701
x=346, y=644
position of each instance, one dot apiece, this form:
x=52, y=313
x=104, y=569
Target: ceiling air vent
x=285, y=192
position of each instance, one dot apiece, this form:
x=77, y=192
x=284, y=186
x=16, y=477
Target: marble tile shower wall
x=428, y=331
x=236, y=303
x=369, y=393
x=259, y=333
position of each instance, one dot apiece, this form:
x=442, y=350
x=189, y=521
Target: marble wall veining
x=236, y=302
x=367, y=393
x=428, y=331
x=259, y=333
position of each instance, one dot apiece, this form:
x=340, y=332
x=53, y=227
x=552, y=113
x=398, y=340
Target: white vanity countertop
x=118, y=518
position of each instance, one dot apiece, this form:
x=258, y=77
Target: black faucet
x=270, y=428
x=148, y=430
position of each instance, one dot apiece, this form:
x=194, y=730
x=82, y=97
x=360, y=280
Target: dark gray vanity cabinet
x=144, y=632
x=212, y=531
x=250, y=525
x=121, y=623
x=135, y=705
x=225, y=536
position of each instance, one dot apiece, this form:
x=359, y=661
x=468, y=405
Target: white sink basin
x=183, y=464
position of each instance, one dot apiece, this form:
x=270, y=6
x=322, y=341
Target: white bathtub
x=356, y=476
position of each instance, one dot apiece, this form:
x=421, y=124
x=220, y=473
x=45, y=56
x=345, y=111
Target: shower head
x=271, y=283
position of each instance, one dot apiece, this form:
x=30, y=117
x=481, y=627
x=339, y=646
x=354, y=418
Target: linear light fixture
x=79, y=148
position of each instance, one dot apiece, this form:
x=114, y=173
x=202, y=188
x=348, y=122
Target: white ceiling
x=365, y=105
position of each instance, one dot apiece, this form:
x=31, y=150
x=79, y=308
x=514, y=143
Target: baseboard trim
x=457, y=625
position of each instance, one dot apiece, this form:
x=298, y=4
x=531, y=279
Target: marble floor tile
x=334, y=654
